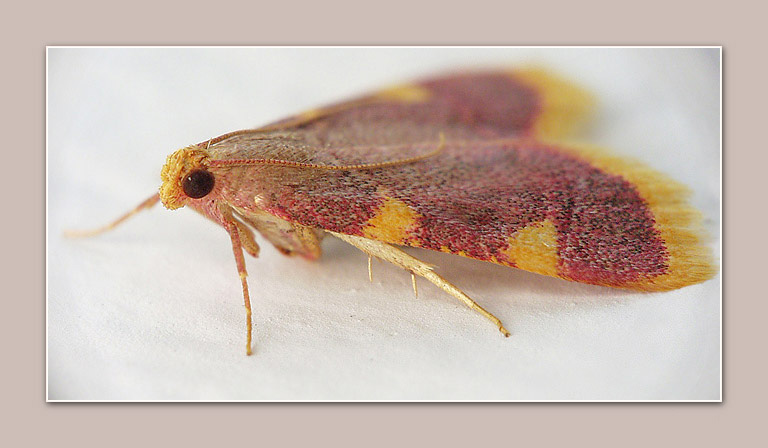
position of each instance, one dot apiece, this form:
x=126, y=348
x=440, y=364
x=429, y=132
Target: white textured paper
x=153, y=310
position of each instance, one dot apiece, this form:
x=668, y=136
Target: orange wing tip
x=177, y=165
x=678, y=223
x=565, y=107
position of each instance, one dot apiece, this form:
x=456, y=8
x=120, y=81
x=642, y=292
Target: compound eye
x=197, y=184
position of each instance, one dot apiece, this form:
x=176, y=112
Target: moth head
x=185, y=175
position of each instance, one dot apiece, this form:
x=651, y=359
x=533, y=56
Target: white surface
x=153, y=310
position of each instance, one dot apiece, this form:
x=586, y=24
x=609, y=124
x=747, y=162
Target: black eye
x=197, y=184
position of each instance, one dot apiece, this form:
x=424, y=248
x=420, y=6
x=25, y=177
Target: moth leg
x=413, y=282
x=237, y=248
x=148, y=203
x=370, y=269
x=416, y=267
x=247, y=240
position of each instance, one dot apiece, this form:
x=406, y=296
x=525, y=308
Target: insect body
x=463, y=164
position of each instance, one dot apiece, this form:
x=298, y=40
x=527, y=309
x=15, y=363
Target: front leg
x=232, y=227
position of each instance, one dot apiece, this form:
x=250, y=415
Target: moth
x=468, y=163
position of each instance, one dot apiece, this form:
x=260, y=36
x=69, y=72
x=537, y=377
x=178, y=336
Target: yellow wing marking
x=534, y=248
x=407, y=93
x=392, y=222
x=313, y=114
